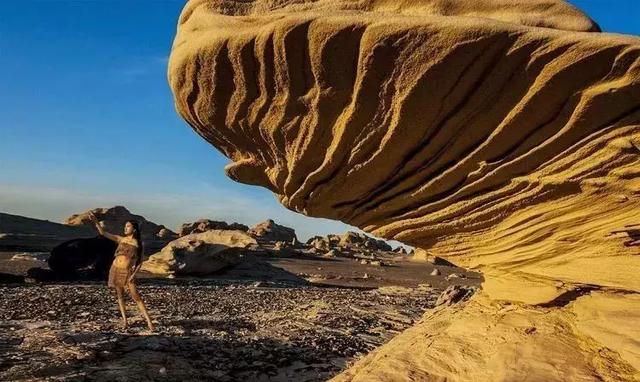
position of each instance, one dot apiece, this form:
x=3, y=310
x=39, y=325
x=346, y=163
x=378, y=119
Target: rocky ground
x=206, y=330
x=271, y=318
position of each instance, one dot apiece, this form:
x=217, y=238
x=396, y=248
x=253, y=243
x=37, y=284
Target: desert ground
x=271, y=318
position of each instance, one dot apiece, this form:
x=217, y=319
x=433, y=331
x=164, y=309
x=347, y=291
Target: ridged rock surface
x=501, y=135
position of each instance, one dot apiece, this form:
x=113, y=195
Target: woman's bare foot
x=151, y=326
x=124, y=324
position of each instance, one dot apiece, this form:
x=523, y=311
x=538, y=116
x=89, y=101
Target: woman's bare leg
x=133, y=291
x=121, y=305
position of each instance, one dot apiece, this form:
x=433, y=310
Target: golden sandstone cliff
x=503, y=135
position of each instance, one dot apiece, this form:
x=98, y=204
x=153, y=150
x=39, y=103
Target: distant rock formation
x=114, y=218
x=24, y=233
x=501, y=135
x=348, y=241
x=154, y=236
x=270, y=231
x=19, y=233
x=200, y=253
x=359, y=240
x=204, y=225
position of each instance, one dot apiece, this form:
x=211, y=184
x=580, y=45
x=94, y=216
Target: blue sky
x=87, y=119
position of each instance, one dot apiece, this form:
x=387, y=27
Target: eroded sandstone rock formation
x=501, y=135
x=269, y=230
x=204, y=225
x=199, y=253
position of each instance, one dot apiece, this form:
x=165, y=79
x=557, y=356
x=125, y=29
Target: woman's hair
x=138, y=236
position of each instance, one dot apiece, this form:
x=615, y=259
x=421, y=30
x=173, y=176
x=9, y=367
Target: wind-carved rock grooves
x=453, y=126
x=367, y=204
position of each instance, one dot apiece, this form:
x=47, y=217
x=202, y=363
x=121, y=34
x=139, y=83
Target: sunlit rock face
x=501, y=135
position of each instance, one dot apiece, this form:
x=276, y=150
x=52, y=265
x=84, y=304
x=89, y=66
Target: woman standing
x=127, y=261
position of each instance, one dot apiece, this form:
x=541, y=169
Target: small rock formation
x=203, y=225
x=500, y=134
x=454, y=294
x=200, y=253
x=166, y=234
x=154, y=236
x=359, y=240
x=31, y=256
x=454, y=276
x=348, y=242
x=320, y=243
x=270, y=231
x=420, y=254
x=331, y=254
x=400, y=250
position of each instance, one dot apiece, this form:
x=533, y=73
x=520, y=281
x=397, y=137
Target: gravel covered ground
x=207, y=330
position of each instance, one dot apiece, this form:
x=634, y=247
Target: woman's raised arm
x=102, y=231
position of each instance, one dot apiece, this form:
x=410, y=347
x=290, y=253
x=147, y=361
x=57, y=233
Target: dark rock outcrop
x=96, y=253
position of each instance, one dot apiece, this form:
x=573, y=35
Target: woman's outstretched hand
x=96, y=223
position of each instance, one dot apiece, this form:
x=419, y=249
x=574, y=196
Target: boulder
x=423, y=255
x=331, y=254
x=203, y=225
x=200, y=254
x=76, y=254
x=320, y=243
x=454, y=276
x=31, y=256
x=400, y=250
x=359, y=240
x=270, y=231
x=454, y=294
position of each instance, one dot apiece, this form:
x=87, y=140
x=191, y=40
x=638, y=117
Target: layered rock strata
x=501, y=135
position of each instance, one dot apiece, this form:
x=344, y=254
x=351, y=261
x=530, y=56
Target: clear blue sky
x=87, y=118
